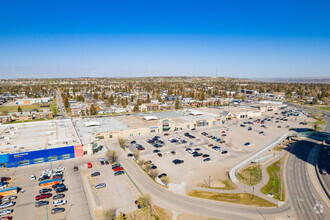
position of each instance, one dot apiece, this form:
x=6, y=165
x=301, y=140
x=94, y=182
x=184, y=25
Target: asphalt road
x=324, y=163
x=300, y=186
x=186, y=204
x=60, y=104
x=327, y=127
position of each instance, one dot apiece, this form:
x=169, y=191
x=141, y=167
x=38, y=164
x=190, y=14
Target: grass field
x=26, y=107
x=324, y=108
x=239, y=198
x=250, y=175
x=274, y=183
x=145, y=214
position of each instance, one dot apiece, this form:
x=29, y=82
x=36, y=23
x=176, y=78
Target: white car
x=7, y=199
x=7, y=204
x=32, y=177
x=6, y=212
x=3, y=185
x=58, y=173
x=59, y=169
x=59, y=202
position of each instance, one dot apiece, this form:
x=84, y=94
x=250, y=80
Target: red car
x=5, y=179
x=166, y=134
x=43, y=196
x=117, y=168
x=89, y=165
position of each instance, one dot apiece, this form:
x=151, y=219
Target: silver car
x=7, y=204
x=6, y=212
x=99, y=186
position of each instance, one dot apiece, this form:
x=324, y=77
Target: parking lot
x=240, y=142
x=119, y=192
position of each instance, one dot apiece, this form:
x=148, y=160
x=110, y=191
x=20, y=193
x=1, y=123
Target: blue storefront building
x=35, y=157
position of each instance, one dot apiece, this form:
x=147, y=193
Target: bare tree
x=145, y=202
x=136, y=154
x=112, y=156
x=122, y=142
x=110, y=214
x=165, y=180
x=148, y=167
x=141, y=162
x=154, y=173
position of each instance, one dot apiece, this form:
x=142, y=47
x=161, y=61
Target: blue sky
x=164, y=38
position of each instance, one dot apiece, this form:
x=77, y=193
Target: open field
x=250, y=175
x=27, y=107
x=239, y=198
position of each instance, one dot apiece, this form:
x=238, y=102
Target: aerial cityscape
x=170, y=110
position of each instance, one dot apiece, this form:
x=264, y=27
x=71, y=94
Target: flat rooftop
x=30, y=136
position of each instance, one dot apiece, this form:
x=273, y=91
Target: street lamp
x=292, y=203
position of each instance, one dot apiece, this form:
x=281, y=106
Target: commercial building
x=38, y=142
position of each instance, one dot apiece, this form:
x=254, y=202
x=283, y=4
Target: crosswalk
x=98, y=214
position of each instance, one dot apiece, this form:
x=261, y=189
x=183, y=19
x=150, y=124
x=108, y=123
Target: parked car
x=59, y=202
x=3, y=185
x=224, y=152
x=43, y=196
x=99, y=186
x=59, y=169
x=57, y=176
x=57, y=210
x=196, y=154
x=177, y=161
x=60, y=190
x=7, y=205
x=115, y=165
x=120, y=172
x=6, y=212
x=58, y=196
x=44, y=177
x=95, y=174
x=41, y=203
x=9, y=198
x=46, y=190
x=57, y=186
x=161, y=175
x=117, y=168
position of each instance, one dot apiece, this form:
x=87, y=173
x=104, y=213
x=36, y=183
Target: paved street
x=300, y=186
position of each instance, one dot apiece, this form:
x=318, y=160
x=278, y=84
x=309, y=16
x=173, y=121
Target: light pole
x=292, y=203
